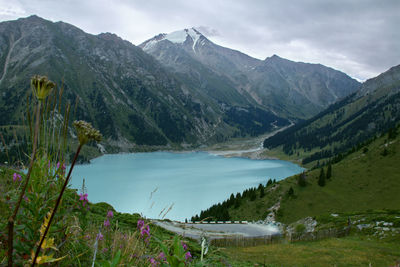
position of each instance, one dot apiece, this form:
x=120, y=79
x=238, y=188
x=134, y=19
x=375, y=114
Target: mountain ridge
x=290, y=89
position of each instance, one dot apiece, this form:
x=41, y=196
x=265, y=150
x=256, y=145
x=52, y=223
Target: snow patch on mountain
x=195, y=35
x=149, y=44
x=177, y=37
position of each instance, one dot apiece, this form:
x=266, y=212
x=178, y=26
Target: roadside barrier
x=242, y=241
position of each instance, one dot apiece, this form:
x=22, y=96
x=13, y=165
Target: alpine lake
x=183, y=183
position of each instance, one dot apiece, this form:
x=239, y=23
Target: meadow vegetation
x=44, y=222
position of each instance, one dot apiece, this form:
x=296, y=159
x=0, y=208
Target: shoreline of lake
x=192, y=180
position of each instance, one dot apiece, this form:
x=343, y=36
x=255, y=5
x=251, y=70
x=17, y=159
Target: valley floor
x=348, y=251
x=245, y=147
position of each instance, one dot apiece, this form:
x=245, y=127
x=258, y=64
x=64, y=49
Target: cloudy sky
x=358, y=37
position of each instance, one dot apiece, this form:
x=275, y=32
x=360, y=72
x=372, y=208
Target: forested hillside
x=358, y=117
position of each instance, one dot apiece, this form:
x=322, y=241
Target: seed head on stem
x=86, y=132
x=41, y=86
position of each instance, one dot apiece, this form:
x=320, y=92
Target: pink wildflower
x=110, y=214
x=188, y=256
x=16, y=177
x=106, y=223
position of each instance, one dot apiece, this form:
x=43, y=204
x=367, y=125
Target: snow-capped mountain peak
x=177, y=37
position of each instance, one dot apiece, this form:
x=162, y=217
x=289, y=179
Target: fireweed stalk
x=85, y=133
x=41, y=89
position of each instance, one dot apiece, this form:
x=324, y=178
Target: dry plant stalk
x=41, y=87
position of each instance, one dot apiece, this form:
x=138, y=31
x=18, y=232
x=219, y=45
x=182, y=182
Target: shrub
x=300, y=228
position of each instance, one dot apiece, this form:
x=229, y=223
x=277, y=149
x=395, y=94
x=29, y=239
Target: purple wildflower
x=144, y=230
x=188, y=256
x=106, y=223
x=16, y=177
x=162, y=257
x=99, y=236
x=62, y=166
x=184, y=246
x=140, y=224
x=153, y=262
x=105, y=250
x=110, y=214
x=25, y=198
x=83, y=198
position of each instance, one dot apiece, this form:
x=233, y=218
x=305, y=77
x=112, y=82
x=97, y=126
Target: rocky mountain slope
x=123, y=91
x=290, y=89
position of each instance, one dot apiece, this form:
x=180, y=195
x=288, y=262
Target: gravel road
x=218, y=230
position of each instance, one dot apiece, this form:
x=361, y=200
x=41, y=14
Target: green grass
x=349, y=251
x=360, y=182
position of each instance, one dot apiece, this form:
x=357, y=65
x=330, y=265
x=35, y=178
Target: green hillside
x=366, y=179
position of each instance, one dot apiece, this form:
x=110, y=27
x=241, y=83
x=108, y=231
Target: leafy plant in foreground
x=86, y=133
x=41, y=88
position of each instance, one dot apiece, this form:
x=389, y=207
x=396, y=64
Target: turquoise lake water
x=190, y=181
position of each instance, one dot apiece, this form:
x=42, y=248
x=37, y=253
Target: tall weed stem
x=56, y=205
x=11, y=220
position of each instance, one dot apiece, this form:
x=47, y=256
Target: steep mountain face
x=373, y=109
x=291, y=89
x=300, y=88
x=123, y=91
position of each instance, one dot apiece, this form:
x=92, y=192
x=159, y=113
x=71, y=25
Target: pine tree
x=290, y=192
x=253, y=194
x=231, y=200
x=260, y=186
x=262, y=193
x=321, y=179
x=237, y=203
x=301, y=180
x=329, y=172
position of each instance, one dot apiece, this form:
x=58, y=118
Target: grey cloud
x=359, y=37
